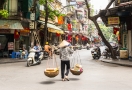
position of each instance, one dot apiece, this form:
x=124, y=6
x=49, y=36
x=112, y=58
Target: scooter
x=95, y=53
x=57, y=51
x=32, y=58
x=46, y=54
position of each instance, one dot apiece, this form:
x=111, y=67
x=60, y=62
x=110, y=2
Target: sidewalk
x=118, y=62
x=11, y=60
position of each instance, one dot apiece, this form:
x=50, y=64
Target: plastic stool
x=13, y=55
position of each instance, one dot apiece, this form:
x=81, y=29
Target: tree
x=94, y=19
x=48, y=13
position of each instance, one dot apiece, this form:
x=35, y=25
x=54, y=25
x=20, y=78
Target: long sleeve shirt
x=65, y=53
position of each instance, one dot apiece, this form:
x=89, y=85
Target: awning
x=10, y=24
x=52, y=28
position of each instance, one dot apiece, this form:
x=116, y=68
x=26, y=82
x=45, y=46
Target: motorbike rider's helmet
x=47, y=43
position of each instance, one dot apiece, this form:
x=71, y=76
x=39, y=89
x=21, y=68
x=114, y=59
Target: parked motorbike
x=32, y=58
x=106, y=53
x=96, y=53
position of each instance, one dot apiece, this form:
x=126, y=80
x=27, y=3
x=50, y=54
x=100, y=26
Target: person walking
x=65, y=53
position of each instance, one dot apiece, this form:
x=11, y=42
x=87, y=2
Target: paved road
x=96, y=76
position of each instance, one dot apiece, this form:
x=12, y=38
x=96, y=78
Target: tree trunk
x=94, y=19
x=113, y=56
x=46, y=21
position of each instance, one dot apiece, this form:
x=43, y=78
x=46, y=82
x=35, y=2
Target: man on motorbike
x=37, y=48
x=47, y=48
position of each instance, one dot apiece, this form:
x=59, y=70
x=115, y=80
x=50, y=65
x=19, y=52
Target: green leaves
x=52, y=12
x=4, y=13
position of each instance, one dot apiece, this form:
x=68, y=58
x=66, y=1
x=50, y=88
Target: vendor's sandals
x=63, y=79
x=66, y=78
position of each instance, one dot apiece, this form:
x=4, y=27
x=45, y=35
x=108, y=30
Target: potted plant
x=4, y=13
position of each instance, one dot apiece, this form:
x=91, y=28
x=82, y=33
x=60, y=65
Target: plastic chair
x=18, y=54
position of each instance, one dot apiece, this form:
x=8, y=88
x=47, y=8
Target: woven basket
x=74, y=72
x=51, y=74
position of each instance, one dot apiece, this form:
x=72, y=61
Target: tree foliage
x=52, y=12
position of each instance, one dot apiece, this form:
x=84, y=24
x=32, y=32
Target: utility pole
x=33, y=21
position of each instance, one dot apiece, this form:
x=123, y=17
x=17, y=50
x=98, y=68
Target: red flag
x=57, y=34
x=115, y=29
x=69, y=26
x=16, y=34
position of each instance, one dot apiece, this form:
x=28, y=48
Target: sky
x=99, y=4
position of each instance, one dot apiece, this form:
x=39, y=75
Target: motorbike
x=32, y=58
x=87, y=47
x=46, y=54
x=106, y=53
x=57, y=51
x=95, y=53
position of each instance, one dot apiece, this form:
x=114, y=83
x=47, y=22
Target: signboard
x=32, y=16
x=10, y=46
x=125, y=40
x=5, y=31
x=113, y=20
x=25, y=32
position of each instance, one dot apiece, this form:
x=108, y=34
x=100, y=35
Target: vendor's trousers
x=63, y=64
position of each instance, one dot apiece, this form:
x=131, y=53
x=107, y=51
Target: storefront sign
x=5, y=31
x=113, y=20
x=10, y=45
x=25, y=32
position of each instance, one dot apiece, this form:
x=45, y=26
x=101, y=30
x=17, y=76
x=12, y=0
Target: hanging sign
x=113, y=20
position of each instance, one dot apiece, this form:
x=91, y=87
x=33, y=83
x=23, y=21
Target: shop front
x=7, y=41
x=54, y=33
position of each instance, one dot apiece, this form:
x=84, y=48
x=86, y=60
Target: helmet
x=47, y=43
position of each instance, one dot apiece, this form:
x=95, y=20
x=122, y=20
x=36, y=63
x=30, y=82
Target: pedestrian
x=65, y=53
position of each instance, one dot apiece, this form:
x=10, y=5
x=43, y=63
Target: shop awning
x=10, y=24
x=52, y=28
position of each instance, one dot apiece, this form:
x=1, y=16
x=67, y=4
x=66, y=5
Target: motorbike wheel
x=29, y=63
x=94, y=57
x=39, y=62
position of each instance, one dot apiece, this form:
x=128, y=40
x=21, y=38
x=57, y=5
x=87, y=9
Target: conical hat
x=64, y=43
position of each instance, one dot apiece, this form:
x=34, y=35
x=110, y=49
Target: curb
x=11, y=62
x=117, y=63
